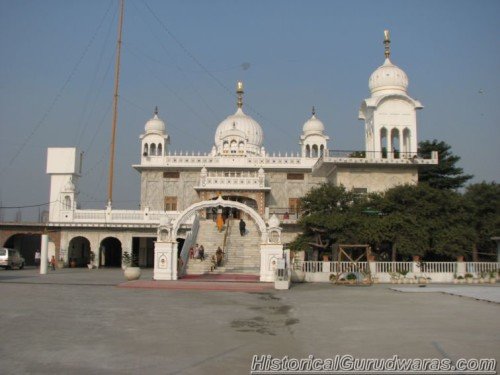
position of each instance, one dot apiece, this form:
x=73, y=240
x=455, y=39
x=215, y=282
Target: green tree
x=444, y=175
x=484, y=203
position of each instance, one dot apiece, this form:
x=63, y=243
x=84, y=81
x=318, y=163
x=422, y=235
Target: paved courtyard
x=79, y=322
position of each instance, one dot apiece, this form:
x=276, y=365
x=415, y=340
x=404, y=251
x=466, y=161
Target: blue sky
x=56, y=78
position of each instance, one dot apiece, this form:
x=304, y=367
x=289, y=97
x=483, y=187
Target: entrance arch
x=110, y=252
x=191, y=210
x=79, y=251
x=27, y=244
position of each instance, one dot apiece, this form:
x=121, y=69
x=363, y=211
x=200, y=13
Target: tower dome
x=155, y=125
x=313, y=125
x=239, y=133
x=388, y=77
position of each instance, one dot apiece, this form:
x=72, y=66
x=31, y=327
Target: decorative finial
x=156, y=110
x=314, y=111
x=387, y=42
x=239, y=92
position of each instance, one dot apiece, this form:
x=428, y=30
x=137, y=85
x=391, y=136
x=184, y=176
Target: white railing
x=438, y=267
x=331, y=267
x=393, y=267
x=188, y=243
x=481, y=267
x=110, y=216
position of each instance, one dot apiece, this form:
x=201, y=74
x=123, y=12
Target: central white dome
x=155, y=125
x=240, y=128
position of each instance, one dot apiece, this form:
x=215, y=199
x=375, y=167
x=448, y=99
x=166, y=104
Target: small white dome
x=388, y=77
x=274, y=222
x=245, y=127
x=313, y=125
x=155, y=125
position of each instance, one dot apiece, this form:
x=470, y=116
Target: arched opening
x=27, y=244
x=145, y=152
x=152, y=149
x=241, y=147
x=225, y=147
x=406, y=142
x=395, y=143
x=159, y=151
x=110, y=252
x=231, y=212
x=308, y=151
x=383, y=142
x=79, y=251
x=314, y=151
x=234, y=147
x=321, y=150
x=67, y=202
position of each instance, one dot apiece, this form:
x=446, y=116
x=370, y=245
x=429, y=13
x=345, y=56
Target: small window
x=294, y=205
x=295, y=176
x=170, y=203
x=171, y=174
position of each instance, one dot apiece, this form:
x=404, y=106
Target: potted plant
x=131, y=270
x=482, y=277
x=460, y=279
x=351, y=278
x=404, y=273
x=468, y=278
x=60, y=263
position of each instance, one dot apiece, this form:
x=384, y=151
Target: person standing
x=37, y=258
x=53, y=263
x=202, y=253
x=243, y=226
x=219, y=253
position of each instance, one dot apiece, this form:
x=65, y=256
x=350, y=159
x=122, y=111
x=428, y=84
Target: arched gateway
x=165, y=267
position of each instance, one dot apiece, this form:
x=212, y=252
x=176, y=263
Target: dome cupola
x=155, y=125
x=239, y=133
x=388, y=78
x=313, y=125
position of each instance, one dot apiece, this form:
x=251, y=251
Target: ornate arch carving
x=216, y=203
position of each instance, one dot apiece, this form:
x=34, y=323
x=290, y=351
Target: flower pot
x=468, y=280
x=493, y=280
x=60, y=264
x=132, y=273
x=72, y=264
x=481, y=281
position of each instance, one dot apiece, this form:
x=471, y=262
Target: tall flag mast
x=115, y=105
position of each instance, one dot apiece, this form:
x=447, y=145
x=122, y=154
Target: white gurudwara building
x=183, y=194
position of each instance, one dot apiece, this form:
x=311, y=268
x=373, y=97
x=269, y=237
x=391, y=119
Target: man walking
x=37, y=258
x=242, y=227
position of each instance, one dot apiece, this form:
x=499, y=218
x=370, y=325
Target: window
x=294, y=205
x=295, y=176
x=171, y=174
x=152, y=149
x=159, y=150
x=170, y=203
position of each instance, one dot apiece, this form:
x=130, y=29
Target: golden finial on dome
x=314, y=111
x=239, y=92
x=387, y=42
x=156, y=110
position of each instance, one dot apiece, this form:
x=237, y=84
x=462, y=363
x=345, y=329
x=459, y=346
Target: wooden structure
x=352, y=255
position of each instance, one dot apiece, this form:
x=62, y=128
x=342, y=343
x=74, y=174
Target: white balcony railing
x=110, y=216
x=235, y=180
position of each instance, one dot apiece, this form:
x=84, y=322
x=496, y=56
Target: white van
x=11, y=258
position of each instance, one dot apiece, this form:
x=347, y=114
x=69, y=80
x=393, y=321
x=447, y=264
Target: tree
x=445, y=175
x=484, y=203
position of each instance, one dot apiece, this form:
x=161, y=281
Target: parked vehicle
x=10, y=258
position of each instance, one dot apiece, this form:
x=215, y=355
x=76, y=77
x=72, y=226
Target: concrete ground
x=76, y=321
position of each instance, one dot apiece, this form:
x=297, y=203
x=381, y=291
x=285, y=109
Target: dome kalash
x=388, y=78
x=239, y=134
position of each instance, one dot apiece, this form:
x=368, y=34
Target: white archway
x=191, y=210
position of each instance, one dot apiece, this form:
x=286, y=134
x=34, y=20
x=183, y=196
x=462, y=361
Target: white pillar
x=165, y=267
x=269, y=255
x=44, y=246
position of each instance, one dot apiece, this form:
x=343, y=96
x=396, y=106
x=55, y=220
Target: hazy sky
x=56, y=79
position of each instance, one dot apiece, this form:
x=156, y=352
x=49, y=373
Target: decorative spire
x=387, y=42
x=239, y=93
x=314, y=111
x=156, y=111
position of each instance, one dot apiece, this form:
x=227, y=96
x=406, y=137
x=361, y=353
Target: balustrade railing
x=481, y=267
x=438, y=267
x=393, y=267
x=188, y=243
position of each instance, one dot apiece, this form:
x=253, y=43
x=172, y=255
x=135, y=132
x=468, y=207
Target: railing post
x=461, y=271
x=415, y=267
x=372, y=264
